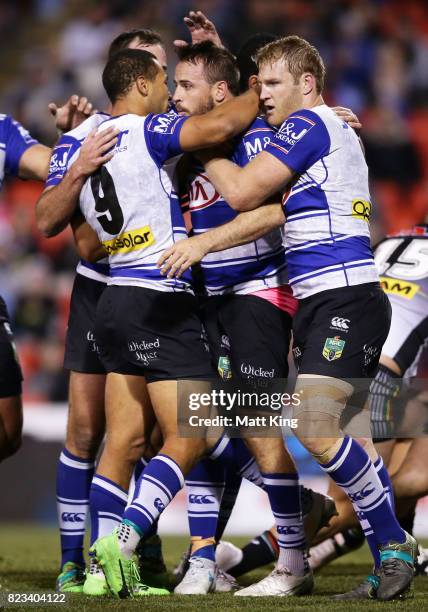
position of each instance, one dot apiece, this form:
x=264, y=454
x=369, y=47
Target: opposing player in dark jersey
x=328, y=247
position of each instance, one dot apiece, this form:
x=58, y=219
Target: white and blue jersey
x=14, y=141
x=248, y=268
x=132, y=201
x=63, y=155
x=328, y=207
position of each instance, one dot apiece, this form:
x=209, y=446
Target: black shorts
x=248, y=336
x=10, y=370
x=340, y=332
x=150, y=333
x=81, y=347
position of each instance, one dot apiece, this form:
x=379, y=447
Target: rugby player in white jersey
x=402, y=261
x=86, y=420
x=247, y=289
x=23, y=156
x=135, y=83
x=318, y=162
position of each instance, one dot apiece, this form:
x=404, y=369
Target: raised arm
x=220, y=124
x=57, y=205
x=244, y=228
x=200, y=29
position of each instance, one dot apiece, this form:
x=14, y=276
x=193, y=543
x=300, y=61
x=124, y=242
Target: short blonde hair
x=299, y=56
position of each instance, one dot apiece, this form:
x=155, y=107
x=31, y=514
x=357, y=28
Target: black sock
x=406, y=521
x=260, y=551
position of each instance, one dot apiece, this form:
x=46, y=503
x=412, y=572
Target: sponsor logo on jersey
x=58, y=161
x=251, y=371
x=333, y=348
x=253, y=148
x=340, y=323
x=165, y=123
x=202, y=192
x=73, y=517
x=293, y=130
x=361, y=209
x=133, y=240
x=224, y=368
x=399, y=287
x=201, y=499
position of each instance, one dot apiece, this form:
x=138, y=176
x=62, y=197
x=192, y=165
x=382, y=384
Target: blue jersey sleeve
x=60, y=159
x=301, y=141
x=16, y=140
x=252, y=142
x=162, y=134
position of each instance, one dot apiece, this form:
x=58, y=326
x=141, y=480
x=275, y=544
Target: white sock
x=293, y=559
x=128, y=540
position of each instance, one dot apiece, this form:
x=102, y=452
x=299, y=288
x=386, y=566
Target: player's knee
x=84, y=441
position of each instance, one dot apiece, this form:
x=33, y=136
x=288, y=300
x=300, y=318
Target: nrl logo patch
x=333, y=348
x=224, y=368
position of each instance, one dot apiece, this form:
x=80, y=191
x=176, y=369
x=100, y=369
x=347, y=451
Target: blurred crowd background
x=376, y=52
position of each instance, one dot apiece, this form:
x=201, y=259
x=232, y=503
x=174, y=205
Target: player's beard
x=205, y=106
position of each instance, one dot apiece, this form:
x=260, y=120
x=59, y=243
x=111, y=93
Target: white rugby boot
x=199, y=579
x=225, y=583
x=280, y=583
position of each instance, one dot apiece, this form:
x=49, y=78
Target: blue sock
x=382, y=472
x=73, y=481
x=235, y=456
x=284, y=496
x=108, y=502
x=352, y=470
x=246, y=465
x=370, y=536
x=205, y=486
x=157, y=486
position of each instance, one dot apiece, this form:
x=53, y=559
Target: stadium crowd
x=377, y=53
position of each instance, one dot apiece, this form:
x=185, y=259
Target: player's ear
x=220, y=91
x=142, y=86
x=253, y=81
x=308, y=83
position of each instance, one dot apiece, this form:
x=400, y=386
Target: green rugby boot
x=121, y=573
x=71, y=578
x=142, y=590
x=95, y=583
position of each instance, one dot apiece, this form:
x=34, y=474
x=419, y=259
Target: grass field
x=29, y=558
